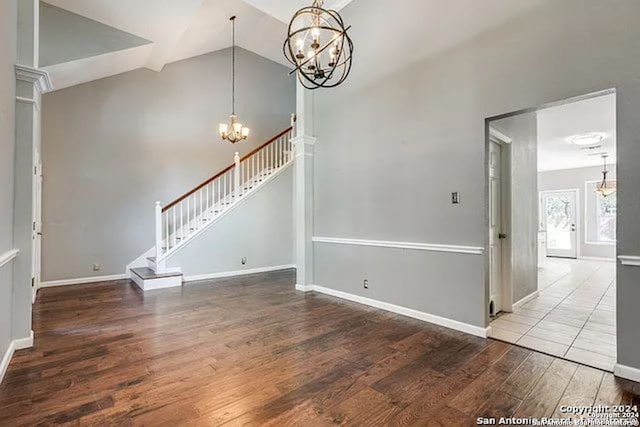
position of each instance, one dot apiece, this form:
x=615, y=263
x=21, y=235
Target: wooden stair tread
x=145, y=273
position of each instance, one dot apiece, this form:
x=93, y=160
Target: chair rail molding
x=8, y=256
x=432, y=247
x=630, y=260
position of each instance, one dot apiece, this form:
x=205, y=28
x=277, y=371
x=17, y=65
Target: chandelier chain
x=233, y=65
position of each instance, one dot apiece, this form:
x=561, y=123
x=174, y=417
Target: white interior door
x=559, y=222
x=495, y=227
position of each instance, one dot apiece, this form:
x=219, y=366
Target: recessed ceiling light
x=587, y=139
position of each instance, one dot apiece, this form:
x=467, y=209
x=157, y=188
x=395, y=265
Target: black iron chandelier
x=319, y=47
x=234, y=131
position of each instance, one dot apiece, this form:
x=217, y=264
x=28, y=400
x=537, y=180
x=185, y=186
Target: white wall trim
x=8, y=256
x=22, y=343
x=6, y=359
x=303, y=288
x=499, y=137
x=526, y=299
x=224, y=274
x=593, y=258
x=433, y=247
x=627, y=372
x=39, y=77
x=82, y=280
x=14, y=345
x=409, y=312
x=630, y=260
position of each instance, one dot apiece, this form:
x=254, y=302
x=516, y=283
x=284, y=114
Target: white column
x=303, y=146
x=31, y=82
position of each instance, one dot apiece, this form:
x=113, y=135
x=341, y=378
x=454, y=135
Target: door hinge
x=33, y=282
x=34, y=226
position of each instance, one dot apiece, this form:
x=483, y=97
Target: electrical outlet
x=244, y=260
x=455, y=198
x=96, y=267
x=365, y=284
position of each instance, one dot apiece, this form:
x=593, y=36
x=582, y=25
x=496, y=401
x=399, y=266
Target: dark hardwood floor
x=252, y=351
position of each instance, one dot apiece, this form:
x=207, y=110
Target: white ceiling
x=282, y=10
x=187, y=28
x=558, y=125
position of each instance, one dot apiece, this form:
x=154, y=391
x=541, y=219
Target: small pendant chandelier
x=606, y=188
x=319, y=47
x=234, y=131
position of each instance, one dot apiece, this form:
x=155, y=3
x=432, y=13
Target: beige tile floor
x=573, y=317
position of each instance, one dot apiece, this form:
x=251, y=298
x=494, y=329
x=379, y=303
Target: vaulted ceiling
x=177, y=30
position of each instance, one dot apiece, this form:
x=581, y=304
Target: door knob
x=502, y=236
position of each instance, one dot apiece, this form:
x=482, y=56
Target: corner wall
x=523, y=130
x=8, y=43
x=390, y=153
x=113, y=147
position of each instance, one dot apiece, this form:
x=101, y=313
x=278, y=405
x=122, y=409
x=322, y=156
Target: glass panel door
x=559, y=221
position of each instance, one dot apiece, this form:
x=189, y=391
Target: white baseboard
x=14, y=345
x=526, y=299
x=22, y=343
x=6, y=359
x=304, y=288
x=237, y=273
x=627, y=372
x=81, y=281
x=409, y=312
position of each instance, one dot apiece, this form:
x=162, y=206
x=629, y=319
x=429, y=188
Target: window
x=606, y=217
x=600, y=215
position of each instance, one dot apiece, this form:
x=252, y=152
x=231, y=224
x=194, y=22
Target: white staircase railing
x=180, y=220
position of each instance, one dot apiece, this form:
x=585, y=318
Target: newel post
x=158, y=216
x=236, y=176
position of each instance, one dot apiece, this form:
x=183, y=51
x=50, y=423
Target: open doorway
x=552, y=210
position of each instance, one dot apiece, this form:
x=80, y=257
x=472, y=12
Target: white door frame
x=577, y=215
x=36, y=246
x=506, y=288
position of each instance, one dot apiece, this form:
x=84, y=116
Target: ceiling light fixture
x=587, y=139
x=234, y=131
x=606, y=188
x=319, y=47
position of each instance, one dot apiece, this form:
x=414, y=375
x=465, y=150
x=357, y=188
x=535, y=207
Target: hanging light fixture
x=319, y=47
x=606, y=188
x=234, y=131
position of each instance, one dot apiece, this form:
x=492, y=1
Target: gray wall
x=523, y=130
x=259, y=229
x=569, y=179
x=112, y=147
x=381, y=145
x=65, y=36
x=8, y=31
